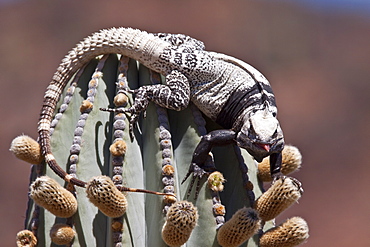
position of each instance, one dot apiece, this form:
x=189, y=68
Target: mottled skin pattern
x=225, y=89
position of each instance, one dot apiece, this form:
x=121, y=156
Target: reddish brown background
x=317, y=62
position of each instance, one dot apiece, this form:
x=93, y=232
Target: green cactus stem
x=88, y=143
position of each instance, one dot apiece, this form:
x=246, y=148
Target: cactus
x=88, y=143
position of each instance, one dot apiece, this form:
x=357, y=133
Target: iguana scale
x=225, y=89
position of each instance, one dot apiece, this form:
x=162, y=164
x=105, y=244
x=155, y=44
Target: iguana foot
x=140, y=104
x=295, y=181
x=197, y=174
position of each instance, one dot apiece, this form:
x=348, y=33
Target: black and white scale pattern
x=210, y=80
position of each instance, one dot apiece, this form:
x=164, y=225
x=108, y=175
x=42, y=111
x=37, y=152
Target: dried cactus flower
x=290, y=233
x=219, y=209
x=62, y=234
x=26, y=238
x=168, y=170
x=215, y=181
x=280, y=196
x=181, y=219
x=102, y=192
x=118, y=148
x=49, y=194
x=242, y=226
x=117, y=226
x=26, y=149
x=292, y=160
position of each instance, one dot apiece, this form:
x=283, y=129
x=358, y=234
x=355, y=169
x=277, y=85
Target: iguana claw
x=294, y=181
x=198, y=173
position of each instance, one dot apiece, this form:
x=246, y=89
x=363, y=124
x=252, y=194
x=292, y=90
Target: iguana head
x=261, y=134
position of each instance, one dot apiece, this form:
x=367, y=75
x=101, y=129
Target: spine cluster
x=215, y=184
x=118, y=147
x=85, y=109
x=165, y=146
x=63, y=107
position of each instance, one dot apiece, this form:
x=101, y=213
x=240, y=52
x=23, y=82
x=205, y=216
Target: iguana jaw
x=261, y=135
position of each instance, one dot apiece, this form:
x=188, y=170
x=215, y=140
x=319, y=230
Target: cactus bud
x=242, y=226
x=280, y=196
x=181, y=219
x=102, y=192
x=26, y=149
x=215, y=181
x=86, y=106
x=120, y=100
x=290, y=233
x=292, y=160
x=49, y=194
x=62, y=234
x=26, y=238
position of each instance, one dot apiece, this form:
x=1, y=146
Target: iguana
x=227, y=90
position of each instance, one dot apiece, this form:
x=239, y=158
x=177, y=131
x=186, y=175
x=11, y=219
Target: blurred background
x=315, y=53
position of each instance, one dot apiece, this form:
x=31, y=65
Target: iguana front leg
x=275, y=170
x=198, y=166
x=275, y=165
x=175, y=95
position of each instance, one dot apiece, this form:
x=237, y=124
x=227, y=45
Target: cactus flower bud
x=181, y=219
x=280, y=196
x=215, y=181
x=49, y=194
x=26, y=149
x=102, y=192
x=242, y=226
x=290, y=233
x=26, y=238
x=62, y=234
x=292, y=160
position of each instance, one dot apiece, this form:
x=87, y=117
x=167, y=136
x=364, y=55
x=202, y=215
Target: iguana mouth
x=263, y=146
